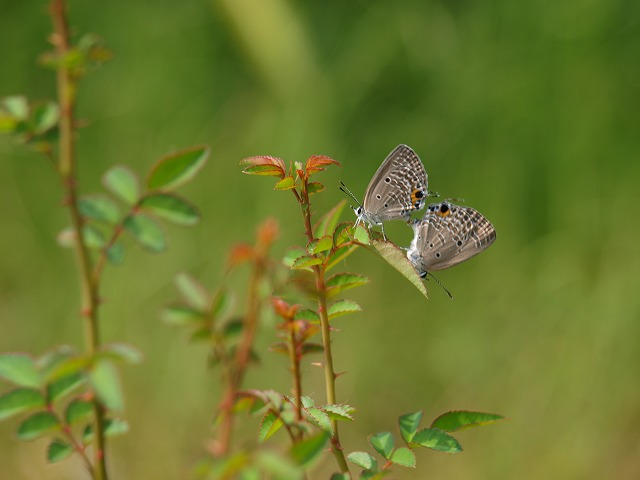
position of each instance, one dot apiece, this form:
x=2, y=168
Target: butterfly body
x=447, y=235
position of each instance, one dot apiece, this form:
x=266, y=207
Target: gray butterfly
x=447, y=235
x=398, y=188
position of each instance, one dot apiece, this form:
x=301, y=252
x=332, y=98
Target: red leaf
x=240, y=253
x=267, y=232
x=283, y=309
x=264, y=165
x=316, y=163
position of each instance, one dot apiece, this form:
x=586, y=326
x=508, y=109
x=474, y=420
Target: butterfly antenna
x=344, y=189
x=439, y=283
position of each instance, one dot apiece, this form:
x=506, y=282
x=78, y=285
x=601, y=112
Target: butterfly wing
x=398, y=188
x=447, y=235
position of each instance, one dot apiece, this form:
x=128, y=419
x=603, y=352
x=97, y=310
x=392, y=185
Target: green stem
x=329, y=373
x=66, y=86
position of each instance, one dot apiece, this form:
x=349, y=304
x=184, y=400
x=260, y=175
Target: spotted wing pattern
x=447, y=235
x=398, y=188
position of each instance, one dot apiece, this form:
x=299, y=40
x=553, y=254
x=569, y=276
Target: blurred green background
x=527, y=110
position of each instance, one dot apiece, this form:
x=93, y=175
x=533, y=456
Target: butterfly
x=398, y=188
x=447, y=235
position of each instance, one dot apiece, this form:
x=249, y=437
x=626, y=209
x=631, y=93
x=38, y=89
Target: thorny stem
x=237, y=369
x=66, y=86
x=329, y=373
x=294, y=358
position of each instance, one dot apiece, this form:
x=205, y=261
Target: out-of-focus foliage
x=528, y=111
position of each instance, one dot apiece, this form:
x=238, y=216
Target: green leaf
x=58, y=450
x=20, y=369
x=178, y=168
x=309, y=449
x=307, y=402
x=181, y=315
x=339, y=255
x=112, y=428
x=436, y=440
x=342, y=307
x=307, y=315
x=270, y=424
x=292, y=255
x=69, y=366
x=398, y=260
x=340, y=282
x=49, y=363
x=193, y=292
x=340, y=476
x=171, y=207
x=265, y=170
x=77, y=411
x=287, y=183
x=321, y=244
x=461, y=419
x=305, y=262
x=100, y=208
x=314, y=187
x=343, y=233
x=16, y=105
x=320, y=419
x=146, y=231
x=404, y=457
x=115, y=253
x=327, y=223
x=278, y=467
x=339, y=412
x=363, y=460
x=65, y=385
x=37, y=425
x=367, y=475
x=309, y=348
x=123, y=183
x=44, y=117
x=121, y=352
x=232, y=329
x=221, y=302
x=383, y=443
x=20, y=400
x=409, y=424
x=93, y=238
x=361, y=235
x=115, y=426
x=104, y=378
x=203, y=334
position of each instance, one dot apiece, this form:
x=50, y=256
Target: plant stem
x=237, y=370
x=66, y=86
x=294, y=358
x=329, y=373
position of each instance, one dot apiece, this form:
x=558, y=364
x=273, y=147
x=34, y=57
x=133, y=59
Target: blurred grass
x=527, y=111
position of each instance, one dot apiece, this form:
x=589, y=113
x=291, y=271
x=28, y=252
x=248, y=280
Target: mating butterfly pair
x=447, y=234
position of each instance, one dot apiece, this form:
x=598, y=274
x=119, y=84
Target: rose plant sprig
x=69, y=395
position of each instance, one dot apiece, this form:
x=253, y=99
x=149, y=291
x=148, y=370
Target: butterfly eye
x=358, y=211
